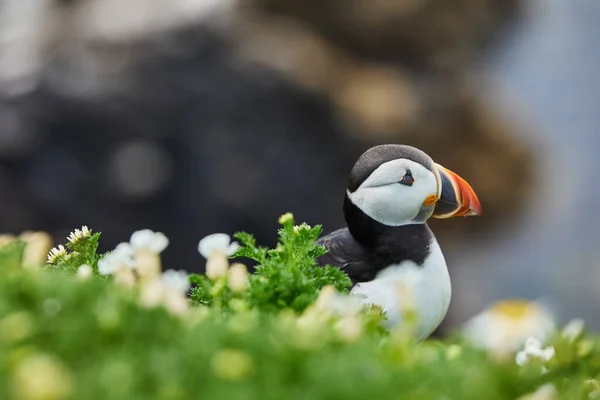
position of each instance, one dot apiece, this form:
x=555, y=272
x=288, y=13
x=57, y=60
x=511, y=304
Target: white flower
x=56, y=253
x=533, y=350
x=573, y=329
x=238, y=278
x=147, y=239
x=121, y=256
x=142, y=247
x=176, y=280
x=77, y=235
x=217, y=243
x=123, y=251
x=84, y=272
x=504, y=327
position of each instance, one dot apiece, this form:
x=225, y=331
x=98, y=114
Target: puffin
x=387, y=249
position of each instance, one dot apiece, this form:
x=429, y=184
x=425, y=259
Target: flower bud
x=216, y=266
x=287, y=217
x=238, y=278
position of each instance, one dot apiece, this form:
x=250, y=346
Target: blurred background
x=198, y=116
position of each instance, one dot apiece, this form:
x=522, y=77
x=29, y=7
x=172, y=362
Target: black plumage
x=366, y=247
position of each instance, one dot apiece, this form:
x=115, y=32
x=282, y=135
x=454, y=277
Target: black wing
x=347, y=254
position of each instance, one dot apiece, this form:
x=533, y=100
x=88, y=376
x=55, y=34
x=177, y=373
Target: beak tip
x=474, y=213
x=474, y=207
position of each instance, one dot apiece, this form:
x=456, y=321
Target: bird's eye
x=407, y=179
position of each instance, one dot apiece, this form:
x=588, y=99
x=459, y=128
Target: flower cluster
x=78, y=234
x=80, y=248
x=533, y=351
x=140, y=253
x=216, y=249
x=60, y=253
x=57, y=253
x=137, y=264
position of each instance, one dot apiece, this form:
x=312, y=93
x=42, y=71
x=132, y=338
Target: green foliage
x=84, y=252
x=62, y=337
x=287, y=276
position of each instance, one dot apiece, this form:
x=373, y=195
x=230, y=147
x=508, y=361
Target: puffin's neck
x=399, y=242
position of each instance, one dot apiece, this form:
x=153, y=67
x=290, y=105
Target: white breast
x=428, y=286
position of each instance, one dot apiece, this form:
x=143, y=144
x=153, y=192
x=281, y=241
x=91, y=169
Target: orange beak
x=456, y=197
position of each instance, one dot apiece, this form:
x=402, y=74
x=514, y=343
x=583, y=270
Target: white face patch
x=384, y=199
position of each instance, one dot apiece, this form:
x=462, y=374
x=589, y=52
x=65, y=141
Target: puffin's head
x=399, y=185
